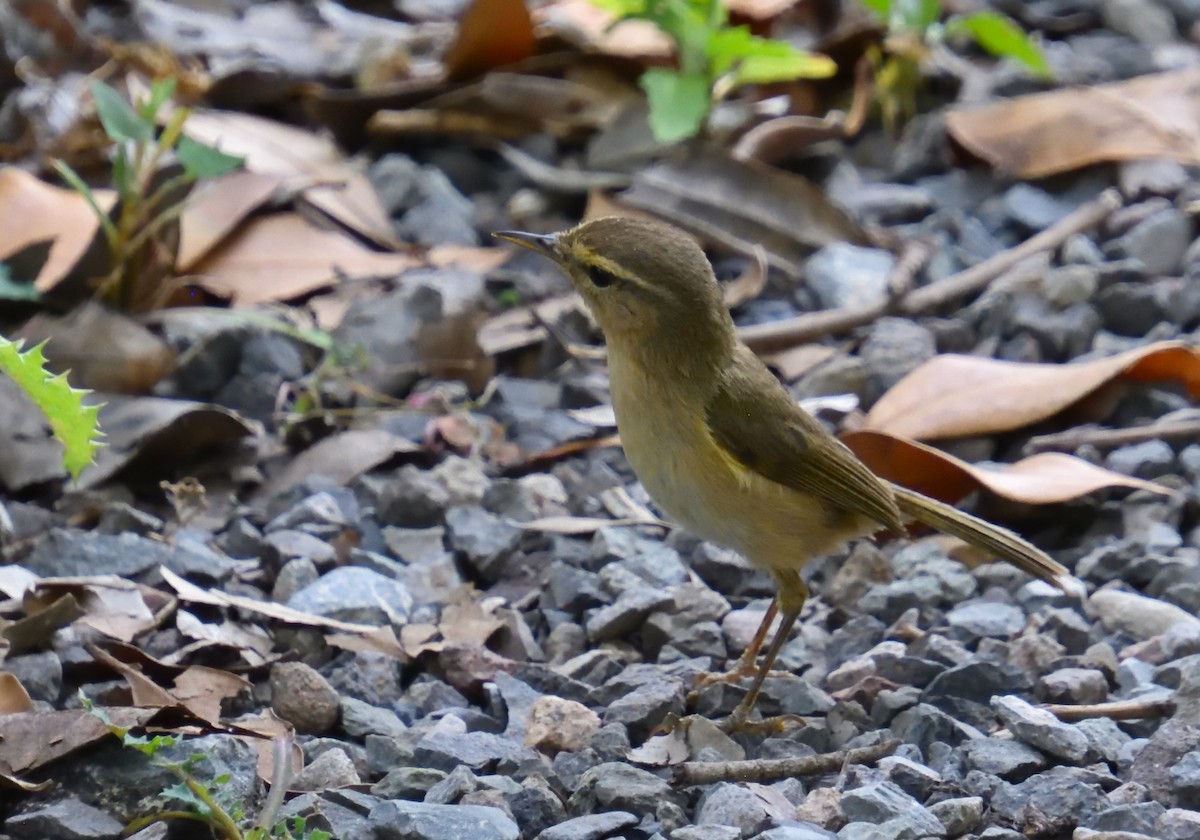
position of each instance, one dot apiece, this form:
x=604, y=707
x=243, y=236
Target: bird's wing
x=754, y=419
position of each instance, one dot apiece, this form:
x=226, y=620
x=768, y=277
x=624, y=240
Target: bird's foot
x=740, y=671
x=739, y=721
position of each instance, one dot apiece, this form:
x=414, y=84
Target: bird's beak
x=541, y=243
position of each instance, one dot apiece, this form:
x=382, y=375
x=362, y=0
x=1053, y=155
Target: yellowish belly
x=714, y=497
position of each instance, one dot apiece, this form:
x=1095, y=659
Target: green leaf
x=880, y=7
x=120, y=121
x=183, y=793
x=12, y=290
x=678, y=103
x=160, y=92
x=757, y=60
x=621, y=8
x=201, y=161
x=80, y=186
x=1002, y=38
x=72, y=422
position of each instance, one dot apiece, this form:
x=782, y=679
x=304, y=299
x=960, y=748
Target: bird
x=718, y=442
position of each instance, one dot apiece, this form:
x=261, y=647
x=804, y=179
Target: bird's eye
x=601, y=278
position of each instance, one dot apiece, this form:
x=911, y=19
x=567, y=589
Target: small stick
x=770, y=770
x=809, y=326
x=1072, y=439
x=977, y=277
x=1116, y=710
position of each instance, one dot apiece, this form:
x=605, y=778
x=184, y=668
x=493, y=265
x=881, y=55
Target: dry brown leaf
x=13, y=696
x=34, y=211
x=759, y=9
x=118, y=608
x=251, y=641
x=382, y=640
x=283, y=256
x=40, y=623
x=34, y=739
x=311, y=165
x=1043, y=134
x=269, y=728
x=200, y=690
x=449, y=349
x=1044, y=479
x=214, y=210
x=743, y=205
x=491, y=33
x=590, y=27
x=481, y=260
x=957, y=396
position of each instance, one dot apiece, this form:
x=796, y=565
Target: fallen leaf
x=749, y=284
x=477, y=259
x=39, y=625
x=160, y=435
x=743, y=205
x=216, y=209
x=282, y=256
x=118, y=608
x=1152, y=116
x=33, y=211
x=1044, y=479
x=491, y=33
x=34, y=739
x=449, y=349
x=590, y=27
x=577, y=525
x=957, y=396
x=13, y=696
x=311, y=165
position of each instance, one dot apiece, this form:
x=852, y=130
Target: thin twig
x=809, y=326
x=1116, y=710
x=977, y=277
x=1103, y=438
x=770, y=770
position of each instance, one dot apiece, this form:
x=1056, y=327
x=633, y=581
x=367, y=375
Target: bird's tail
x=982, y=534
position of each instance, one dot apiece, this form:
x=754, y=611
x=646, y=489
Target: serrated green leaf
x=120, y=121
x=1002, y=38
x=72, y=423
x=678, y=103
x=183, y=793
x=201, y=161
x=621, y=8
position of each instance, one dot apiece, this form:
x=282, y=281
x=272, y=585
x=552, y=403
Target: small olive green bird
x=717, y=441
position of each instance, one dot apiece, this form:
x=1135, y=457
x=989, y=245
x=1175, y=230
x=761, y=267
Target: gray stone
x=590, y=826
x=396, y=819
x=1137, y=615
x=1139, y=817
x=925, y=724
x=882, y=802
x=1178, y=824
x=360, y=719
x=1050, y=803
x=331, y=769
x=619, y=786
x=1033, y=209
x=796, y=831
x=1070, y=284
x=976, y=681
x=65, y=552
x=1041, y=729
x=1185, y=781
x=442, y=215
x=486, y=541
x=352, y=593
x=644, y=708
x=984, y=618
x=894, y=348
x=1105, y=738
x=41, y=674
x=1010, y=760
x=844, y=275
x=1073, y=685
x=1148, y=177
x=303, y=697
x=707, y=832
x=960, y=815
x=444, y=748
x=1142, y=21
x=626, y=614
x=915, y=779
x=1160, y=240
x=732, y=805
x=407, y=783
x=68, y=819
x=453, y=788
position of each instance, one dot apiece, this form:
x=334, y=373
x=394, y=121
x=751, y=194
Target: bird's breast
x=700, y=485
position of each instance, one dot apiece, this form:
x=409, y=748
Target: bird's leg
x=745, y=665
x=792, y=595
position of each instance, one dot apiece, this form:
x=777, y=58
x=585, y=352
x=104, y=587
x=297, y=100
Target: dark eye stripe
x=600, y=277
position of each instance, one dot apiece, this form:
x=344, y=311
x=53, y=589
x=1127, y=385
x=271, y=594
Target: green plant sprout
x=914, y=27
x=147, y=202
x=71, y=422
x=713, y=59
x=211, y=803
